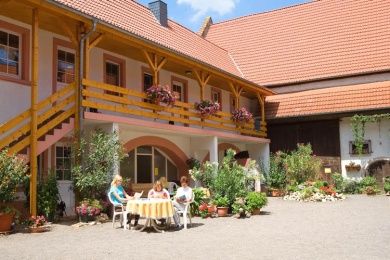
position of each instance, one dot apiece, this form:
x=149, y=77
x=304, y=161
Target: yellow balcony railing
x=125, y=101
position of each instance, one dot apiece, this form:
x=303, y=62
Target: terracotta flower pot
x=6, y=222
x=256, y=212
x=211, y=209
x=222, y=211
x=276, y=193
x=39, y=229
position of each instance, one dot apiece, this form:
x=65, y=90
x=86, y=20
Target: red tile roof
x=372, y=96
x=320, y=39
x=137, y=19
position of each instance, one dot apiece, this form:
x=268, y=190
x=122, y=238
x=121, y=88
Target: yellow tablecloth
x=151, y=208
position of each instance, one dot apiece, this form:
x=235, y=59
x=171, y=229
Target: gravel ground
x=357, y=228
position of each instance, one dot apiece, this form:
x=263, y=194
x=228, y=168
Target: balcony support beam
x=202, y=78
x=261, y=100
x=236, y=90
x=34, y=117
x=155, y=64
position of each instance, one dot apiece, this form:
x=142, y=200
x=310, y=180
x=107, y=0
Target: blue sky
x=191, y=13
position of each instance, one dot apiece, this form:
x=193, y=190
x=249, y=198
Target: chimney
x=160, y=10
x=205, y=27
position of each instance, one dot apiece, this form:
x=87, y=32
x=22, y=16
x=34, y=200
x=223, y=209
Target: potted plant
x=88, y=210
x=352, y=167
x=12, y=173
x=38, y=224
x=207, y=108
x=163, y=94
x=222, y=204
x=255, y=201
x=242, y=116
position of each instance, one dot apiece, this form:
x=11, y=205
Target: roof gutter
x=63, y=6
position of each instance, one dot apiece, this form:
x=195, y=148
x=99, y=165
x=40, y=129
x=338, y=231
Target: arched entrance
x=379, y=168
x=157, y=151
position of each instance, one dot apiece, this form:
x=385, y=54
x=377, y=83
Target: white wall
x=378, y=133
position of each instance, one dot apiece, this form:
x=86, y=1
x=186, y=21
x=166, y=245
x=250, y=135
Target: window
x=147, y=164
x=63, y=163
x=10, y=54
x=114, y=72
x=177, y=89
x=367, y=149
x=14, y=53
x=65, y=66
x=148, y=80
x=216, y=96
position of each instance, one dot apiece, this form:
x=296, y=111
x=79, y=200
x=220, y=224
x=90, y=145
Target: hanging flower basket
x=242, y=116
x=160, y=94
x=352, y=167
x=207, y=108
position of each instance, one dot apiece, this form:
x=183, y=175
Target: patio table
x=151, y=209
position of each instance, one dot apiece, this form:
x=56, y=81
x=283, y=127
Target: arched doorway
x=150, y=158
x=379, y=168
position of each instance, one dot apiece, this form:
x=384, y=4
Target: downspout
x=81, y=75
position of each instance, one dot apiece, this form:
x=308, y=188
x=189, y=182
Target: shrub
x=301, y=165
x=255, y=200
x=320, y=184
x=368, y=181
x=205, y=174
x=338, y=181
x=198, y=200
x=292, y=188
x=386, y=185
x=230, y=179
x=351, y=187
x=48, y=196
x=12, y=173
x=221, y=201
x=275, y=177
x=100, y=154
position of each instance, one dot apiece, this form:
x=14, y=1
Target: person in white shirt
x=183, y=195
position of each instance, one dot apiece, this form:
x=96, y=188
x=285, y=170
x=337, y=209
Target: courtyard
x=357, y=228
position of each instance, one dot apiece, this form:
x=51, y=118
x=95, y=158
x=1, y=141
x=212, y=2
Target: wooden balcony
x=127, y=102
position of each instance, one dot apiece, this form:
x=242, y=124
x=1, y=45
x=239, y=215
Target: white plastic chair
x=186, y=213
x=117, y=209
x=172, y=186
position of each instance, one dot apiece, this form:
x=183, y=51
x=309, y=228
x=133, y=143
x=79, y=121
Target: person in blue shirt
x=119, y=196
x=117, y=193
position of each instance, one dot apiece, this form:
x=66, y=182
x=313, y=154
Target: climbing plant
x=358, y=123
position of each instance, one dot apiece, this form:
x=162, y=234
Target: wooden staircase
x=55, y=120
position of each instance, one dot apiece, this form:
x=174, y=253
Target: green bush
x=319, y=184
x=301, y=165
x=100, y=154
x=198, y=199
x=48, y=196
x=12, y=174
x=368, y=181
x=386, y=185
x=255, y=200
x=205, y=174
x=230, y=179
x=292, y=188
x=351, y=187
x=221, y=201
x=275, y=177
x=338, y=181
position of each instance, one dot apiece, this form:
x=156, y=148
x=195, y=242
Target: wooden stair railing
x=52, y=112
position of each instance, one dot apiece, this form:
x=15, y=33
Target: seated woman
x=119, y=196
x=158, y=192
x=183, y=195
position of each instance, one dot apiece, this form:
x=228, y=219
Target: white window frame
x=55, y=161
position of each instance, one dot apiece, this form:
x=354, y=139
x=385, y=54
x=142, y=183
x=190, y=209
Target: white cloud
x=202, y=7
